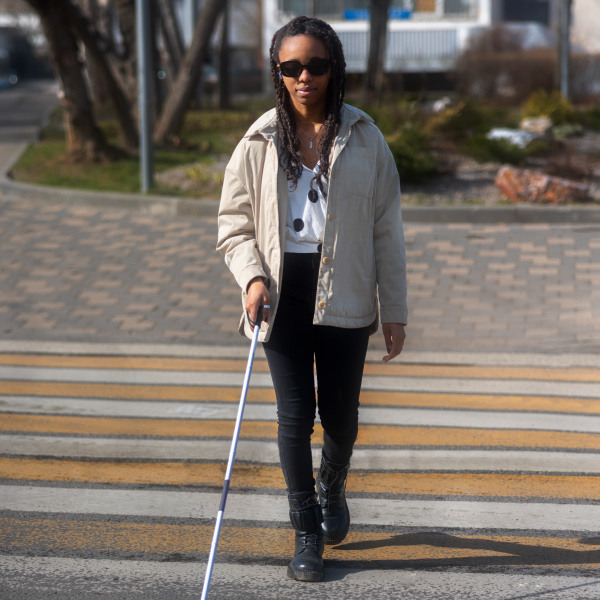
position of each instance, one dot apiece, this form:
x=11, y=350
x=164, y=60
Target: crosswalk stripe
x=370, y=435
x=260, y=543
x=370, y=382
x=265, y=476
x=273, y=508
x=124, y=456
x=379, y=459
x=264, y=395
x=368, y=415
x=576, y=374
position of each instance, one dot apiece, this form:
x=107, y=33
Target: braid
x=286, y=123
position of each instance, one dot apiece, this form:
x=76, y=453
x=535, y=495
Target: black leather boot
x=306, y=518
x=331, y=487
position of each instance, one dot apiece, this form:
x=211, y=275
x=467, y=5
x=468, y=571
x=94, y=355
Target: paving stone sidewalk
x=72, y=269
x=98, y=275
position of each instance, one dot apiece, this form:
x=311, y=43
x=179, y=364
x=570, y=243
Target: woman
x=310, y=225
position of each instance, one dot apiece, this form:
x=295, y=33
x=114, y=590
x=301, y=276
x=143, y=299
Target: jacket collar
x=352, y=115
x=267, y=124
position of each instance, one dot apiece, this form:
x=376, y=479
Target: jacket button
x=326, y=260
x=330, y=217
x=321, y=304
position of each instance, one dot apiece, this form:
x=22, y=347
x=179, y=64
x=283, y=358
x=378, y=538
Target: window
x=425, y=6
x=457, y=7
x=339, y=9
x=534, y=10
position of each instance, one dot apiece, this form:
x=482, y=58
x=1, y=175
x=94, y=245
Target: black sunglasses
x=315, y=66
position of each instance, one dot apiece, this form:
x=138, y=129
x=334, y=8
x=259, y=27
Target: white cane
x=234, y=441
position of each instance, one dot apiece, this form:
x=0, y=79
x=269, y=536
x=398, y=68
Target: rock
x=524, y=185
x=538, y=125
x=441, y=104
x=516, y=137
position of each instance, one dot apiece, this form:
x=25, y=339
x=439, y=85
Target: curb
x=518, y=214
x=158, y=205
x=174, y=206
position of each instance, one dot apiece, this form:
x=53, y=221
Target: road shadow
x=513, y=554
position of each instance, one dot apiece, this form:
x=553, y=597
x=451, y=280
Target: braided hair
x=286, y=122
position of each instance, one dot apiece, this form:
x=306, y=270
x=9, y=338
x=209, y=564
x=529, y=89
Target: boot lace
x=331, y=498
x=311, y=541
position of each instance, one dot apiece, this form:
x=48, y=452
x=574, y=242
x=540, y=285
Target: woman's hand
x=257, y=296
x=394, y=336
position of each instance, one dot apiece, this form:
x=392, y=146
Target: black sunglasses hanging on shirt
x=315, y=66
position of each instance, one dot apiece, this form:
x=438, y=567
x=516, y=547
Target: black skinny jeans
x=294, y=348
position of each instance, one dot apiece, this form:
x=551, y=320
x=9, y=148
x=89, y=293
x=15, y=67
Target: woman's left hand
x=394, y=336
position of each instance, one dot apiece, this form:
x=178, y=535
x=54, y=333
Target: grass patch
x=206, y=135
x=424, y=145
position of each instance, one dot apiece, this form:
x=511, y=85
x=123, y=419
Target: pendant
x=310, y=143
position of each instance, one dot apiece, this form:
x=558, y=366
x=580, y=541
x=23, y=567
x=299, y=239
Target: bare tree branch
x=90, y=39
x=171, y=119
x=171, y=34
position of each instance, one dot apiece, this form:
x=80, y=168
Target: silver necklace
x=310, y=139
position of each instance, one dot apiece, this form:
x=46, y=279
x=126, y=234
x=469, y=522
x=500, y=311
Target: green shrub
x=462, y=121
x=567, y=130
x=483, y=149
x=548, y=104
x=590, y=118
x=410, y=147
x=391, y=116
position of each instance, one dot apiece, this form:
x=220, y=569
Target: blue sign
x=399, y=13
x=364, y=14
x=360, y=14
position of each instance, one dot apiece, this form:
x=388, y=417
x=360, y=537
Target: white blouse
x=306, y=210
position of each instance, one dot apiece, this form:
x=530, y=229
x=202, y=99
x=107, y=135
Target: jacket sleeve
x=388, y=238
x=236, y=227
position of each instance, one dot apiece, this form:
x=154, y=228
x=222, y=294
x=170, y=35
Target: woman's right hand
x=257, y=296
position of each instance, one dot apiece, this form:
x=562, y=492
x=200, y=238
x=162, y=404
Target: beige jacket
x=363, y=245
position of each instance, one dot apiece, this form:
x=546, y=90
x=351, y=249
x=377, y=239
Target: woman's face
x=306, y=90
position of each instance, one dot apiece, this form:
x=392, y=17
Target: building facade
x=424, y=36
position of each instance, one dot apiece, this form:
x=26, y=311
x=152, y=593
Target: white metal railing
x=422, y=43
x=407, y=50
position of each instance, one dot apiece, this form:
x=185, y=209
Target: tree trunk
x=93, y=46
x=98, y=85
x=224, y=87
x=377, y=43
x=85, y=141
x=171, y=35
x=158, y=85
x=564, y=47
x=127, y=63
x=171, y=120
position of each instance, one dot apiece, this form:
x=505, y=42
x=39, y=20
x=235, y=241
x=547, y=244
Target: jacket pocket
x=357, y=171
